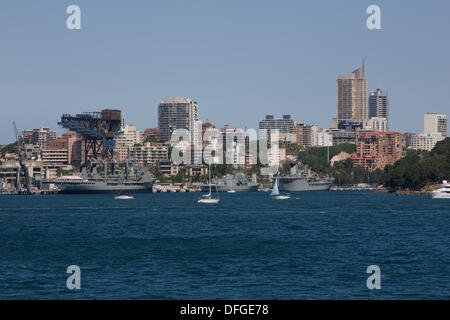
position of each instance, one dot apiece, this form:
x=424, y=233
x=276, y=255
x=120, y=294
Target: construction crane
x=22, y=159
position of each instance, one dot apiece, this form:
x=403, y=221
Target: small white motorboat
x=231, y=191
x=442, y=193
x=124, y=197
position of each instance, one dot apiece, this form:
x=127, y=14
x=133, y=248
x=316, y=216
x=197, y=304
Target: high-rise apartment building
x=435, y=123
x=378, y=104
x=351, y=97
x=283, y=125
x=39, y=137
x=177, y=113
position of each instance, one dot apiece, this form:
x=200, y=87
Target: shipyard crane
x=22, y=159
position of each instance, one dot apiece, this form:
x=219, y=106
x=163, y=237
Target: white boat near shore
x=442, y=193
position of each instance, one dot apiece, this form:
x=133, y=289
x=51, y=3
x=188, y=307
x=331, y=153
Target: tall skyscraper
x=351, y=97
x=435, y=123
x=177, y=113
x=378, y=104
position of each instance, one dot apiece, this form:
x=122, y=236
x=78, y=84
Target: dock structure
x=28, y=192
x=98, y=130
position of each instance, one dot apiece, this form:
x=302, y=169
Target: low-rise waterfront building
x=168, y=168
x=196, y=170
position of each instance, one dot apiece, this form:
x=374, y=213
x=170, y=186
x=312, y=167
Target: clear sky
x=240, y=59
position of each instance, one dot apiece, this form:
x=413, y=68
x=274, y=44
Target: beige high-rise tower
x=351, y=97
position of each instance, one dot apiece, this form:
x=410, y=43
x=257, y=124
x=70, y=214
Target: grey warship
x=238, y=182
x=131, y=181
x=98, y=131
x=301, y=178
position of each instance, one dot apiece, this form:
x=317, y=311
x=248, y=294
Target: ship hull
x=104, y=188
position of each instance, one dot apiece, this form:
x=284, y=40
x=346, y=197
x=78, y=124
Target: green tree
x=418, y=168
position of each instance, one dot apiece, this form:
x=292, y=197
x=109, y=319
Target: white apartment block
x=130, y=136
x=424, y=141
x=376, y=124
x=324, y=139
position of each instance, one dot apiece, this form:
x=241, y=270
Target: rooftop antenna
x=363, y=66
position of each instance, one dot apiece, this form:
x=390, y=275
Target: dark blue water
x=166, y=246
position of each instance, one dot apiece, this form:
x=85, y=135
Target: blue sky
x=240, y=59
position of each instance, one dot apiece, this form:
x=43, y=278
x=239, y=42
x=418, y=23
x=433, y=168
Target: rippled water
x=166, y=246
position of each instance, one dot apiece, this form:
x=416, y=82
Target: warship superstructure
x=301, y=178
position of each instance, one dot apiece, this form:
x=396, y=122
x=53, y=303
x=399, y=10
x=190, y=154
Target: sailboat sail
x=275, y=191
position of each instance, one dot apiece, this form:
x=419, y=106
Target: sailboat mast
x=209, y=169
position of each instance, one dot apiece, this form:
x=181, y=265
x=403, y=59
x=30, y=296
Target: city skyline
x=238, y=72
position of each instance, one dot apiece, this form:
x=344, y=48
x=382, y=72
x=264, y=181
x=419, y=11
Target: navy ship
x=130, y=181
x=301, y=178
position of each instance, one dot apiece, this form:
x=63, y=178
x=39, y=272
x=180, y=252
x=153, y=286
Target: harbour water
x=315, y=245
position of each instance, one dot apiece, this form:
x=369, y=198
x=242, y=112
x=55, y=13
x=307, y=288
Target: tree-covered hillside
x=419, y=169
x=316, y=157
x=10, y=148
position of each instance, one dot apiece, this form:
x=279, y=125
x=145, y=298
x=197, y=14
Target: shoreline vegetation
x=418, y=173
x=422, y=192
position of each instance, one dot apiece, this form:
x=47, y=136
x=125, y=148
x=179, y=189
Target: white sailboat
x=207, y=198
x=276, y=193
